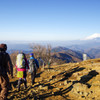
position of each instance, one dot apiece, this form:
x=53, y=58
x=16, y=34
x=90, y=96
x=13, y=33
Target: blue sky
x=48, y=19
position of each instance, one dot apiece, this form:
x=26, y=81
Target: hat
x=3, y=46
x=31, y=54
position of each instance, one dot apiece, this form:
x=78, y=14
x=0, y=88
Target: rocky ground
x=72, y=81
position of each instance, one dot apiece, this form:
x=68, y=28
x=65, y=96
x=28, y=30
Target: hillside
x=70, y=81
x=94, y=53
x=67, y=55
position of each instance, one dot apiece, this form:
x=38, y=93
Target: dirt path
x=73, y=81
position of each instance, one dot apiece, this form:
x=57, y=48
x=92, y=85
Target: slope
x=70, y=81
x=66, y=54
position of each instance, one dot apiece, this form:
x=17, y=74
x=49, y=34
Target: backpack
x=20, y=61
x=2, y=62
x=32, y=65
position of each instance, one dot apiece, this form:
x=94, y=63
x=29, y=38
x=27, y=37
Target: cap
x=3, y=46
x=31, y=54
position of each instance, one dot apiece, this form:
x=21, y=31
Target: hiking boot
x=25, y=84
x=18, y=89
x=25, y=87
x=33, y=83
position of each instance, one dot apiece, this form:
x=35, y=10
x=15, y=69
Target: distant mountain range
x=66, y=50
x=66, y=54
x=90, y=45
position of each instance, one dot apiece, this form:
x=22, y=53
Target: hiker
x=33, y=66
x=49, y=63
x=41, y=62
x=22, y=66
x=5, y=67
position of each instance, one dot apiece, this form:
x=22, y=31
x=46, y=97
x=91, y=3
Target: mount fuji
x=93, y=36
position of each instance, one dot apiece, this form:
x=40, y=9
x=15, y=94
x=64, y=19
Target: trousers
x=4, y=87
x=33, y=75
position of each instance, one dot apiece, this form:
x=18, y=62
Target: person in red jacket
x=21, y=72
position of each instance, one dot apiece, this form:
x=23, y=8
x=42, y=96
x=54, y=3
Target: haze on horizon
x=48, y=20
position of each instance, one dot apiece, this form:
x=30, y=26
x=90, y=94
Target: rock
x=57, y=89
x=80, y=89
x=85, y=94
x=78, y=78
x=43, y=88
x=61, y=84
x=65, y=82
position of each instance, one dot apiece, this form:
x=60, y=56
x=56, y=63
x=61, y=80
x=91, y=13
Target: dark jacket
x=36, y=62
x=7, y=66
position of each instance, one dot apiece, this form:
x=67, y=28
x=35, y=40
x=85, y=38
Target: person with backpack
x=41, y=62
x=5, y=67
x=49, y=63
x=33, y=66
x=22, y=66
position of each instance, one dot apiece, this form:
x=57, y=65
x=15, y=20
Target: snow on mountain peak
x=93, y=36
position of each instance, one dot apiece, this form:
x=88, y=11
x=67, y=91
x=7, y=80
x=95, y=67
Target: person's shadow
x=84, y=79
x=67, y=74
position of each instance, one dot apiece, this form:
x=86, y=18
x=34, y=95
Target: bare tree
x=37, y=49
x=42, y=51
x=45, y=53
